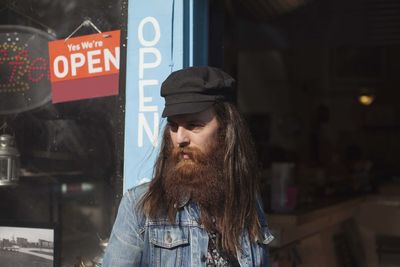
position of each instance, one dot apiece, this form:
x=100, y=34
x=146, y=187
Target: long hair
x=241, y=176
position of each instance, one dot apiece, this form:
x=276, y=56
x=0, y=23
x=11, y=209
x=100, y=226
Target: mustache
x=195, y=154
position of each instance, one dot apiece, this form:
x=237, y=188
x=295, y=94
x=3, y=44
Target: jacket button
x=204, y=258
x=169, y=238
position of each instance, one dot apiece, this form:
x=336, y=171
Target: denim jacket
x=138, y=241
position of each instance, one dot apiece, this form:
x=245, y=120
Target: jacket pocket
x=170, y=245
x=169, y=236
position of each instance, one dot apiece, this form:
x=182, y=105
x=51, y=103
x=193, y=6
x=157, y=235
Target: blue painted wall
x=163, y=36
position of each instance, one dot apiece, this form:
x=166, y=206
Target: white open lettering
x=94, y=61
x=56, y=66
x=144, y=63
x=144, y=126
x=108, y=57
x=148, y=65
x=77, y=61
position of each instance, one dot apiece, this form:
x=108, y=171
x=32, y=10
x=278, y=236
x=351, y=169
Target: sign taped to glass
x=85, y=67
x=24, y=79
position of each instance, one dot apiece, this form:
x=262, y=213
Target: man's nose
x=182, y=137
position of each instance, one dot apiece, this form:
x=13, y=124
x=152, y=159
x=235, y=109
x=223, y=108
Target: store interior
x=318, y=83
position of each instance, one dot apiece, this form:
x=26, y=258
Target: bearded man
x=202, y=206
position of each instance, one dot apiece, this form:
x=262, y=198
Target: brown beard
x=199, y=179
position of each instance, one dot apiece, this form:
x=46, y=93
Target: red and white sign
x=85, y=67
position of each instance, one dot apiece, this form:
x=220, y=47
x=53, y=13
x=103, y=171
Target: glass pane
x=70, y=153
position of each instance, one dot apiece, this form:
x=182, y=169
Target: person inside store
x=202, y=206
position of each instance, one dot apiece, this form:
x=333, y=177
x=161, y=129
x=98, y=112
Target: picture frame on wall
x=25, y=244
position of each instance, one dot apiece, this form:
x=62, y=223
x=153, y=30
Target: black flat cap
x=195, y=89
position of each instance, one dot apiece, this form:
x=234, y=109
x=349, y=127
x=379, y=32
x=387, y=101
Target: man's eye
x=194, y=125
x=172, y=126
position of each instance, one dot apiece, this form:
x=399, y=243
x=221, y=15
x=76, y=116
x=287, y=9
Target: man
x=201, y=208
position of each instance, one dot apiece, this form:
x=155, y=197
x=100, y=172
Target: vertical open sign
x=85, y=67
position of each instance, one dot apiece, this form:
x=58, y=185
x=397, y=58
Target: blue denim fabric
x=137, y=241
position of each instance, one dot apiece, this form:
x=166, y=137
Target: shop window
x=68, y=156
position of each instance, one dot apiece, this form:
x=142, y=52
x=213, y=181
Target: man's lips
x=185, y=156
